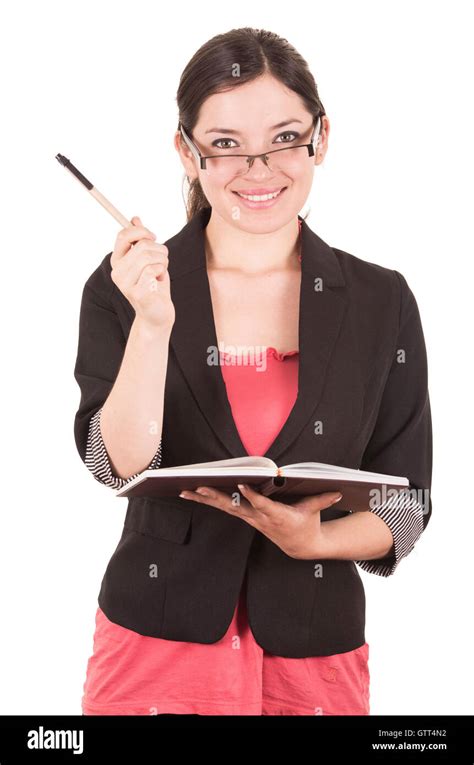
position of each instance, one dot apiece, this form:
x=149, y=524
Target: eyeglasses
x=281, y=159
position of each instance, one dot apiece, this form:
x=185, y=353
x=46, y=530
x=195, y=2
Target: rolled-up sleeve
x=401, y=442
x=97, y=458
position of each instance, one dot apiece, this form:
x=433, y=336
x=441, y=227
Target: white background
x=97, y=82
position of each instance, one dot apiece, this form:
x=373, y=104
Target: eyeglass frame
x=202, y=160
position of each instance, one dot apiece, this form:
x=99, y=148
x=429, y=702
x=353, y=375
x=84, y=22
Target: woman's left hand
x=295, y=528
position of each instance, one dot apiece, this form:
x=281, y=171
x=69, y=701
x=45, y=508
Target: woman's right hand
x=140, y=271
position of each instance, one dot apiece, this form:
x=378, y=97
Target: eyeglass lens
x=284, y=159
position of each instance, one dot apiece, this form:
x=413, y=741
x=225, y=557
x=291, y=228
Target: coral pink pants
x=132, y=674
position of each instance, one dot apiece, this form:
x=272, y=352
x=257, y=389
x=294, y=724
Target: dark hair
x=210, y=70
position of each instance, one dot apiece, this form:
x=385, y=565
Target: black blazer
x=178, y=568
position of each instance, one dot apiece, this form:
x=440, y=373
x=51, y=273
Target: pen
x=92, y=190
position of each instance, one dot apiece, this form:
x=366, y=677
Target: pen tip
x=62, y=159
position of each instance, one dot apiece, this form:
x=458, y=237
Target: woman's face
x=248, y=120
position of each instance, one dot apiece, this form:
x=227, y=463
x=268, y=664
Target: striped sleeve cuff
x=97, y=459
x=403, y=514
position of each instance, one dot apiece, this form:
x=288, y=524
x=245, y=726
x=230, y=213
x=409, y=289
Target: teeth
x=256, y=198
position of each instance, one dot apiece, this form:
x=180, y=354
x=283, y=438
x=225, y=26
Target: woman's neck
x=230, y=248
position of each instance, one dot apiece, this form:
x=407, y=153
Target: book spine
x=280, y=489
x=272, y=485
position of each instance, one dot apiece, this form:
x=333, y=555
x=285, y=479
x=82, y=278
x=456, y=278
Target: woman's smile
x=260, y=198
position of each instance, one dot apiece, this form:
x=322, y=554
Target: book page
x=235, y=462
x=318, y=466
x=307, y=468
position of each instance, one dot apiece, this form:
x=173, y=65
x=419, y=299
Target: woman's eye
x=295, y=135
x=222, y=140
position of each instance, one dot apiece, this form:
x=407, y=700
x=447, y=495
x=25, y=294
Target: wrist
x=147, y=331
x=323, y=545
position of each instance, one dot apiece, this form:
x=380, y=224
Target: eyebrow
x=236, y=132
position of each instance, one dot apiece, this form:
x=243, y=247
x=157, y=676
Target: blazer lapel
x=194, y=342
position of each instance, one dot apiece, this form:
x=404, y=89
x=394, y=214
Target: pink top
x=135, y=674
x=261, y=395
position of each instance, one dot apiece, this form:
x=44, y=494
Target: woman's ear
x=186, y=156
x=322, y=146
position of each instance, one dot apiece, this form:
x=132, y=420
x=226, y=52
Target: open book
x=361, y=490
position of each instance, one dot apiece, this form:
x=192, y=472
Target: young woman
x=246, y=334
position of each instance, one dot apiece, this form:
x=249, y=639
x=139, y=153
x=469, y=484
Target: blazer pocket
x=165, y=518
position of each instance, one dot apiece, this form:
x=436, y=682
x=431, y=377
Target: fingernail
x=337, y=499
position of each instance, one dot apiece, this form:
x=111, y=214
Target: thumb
x=136, y=221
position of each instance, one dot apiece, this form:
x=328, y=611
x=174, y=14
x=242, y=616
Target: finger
x=262, y=504
x=150, y=281
x=319, y=501
x=136, y=223
x=139, y=257
x=142, y=277
x=126, y=236
x=129, y=269
x=145, y=247
x=211, y=496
